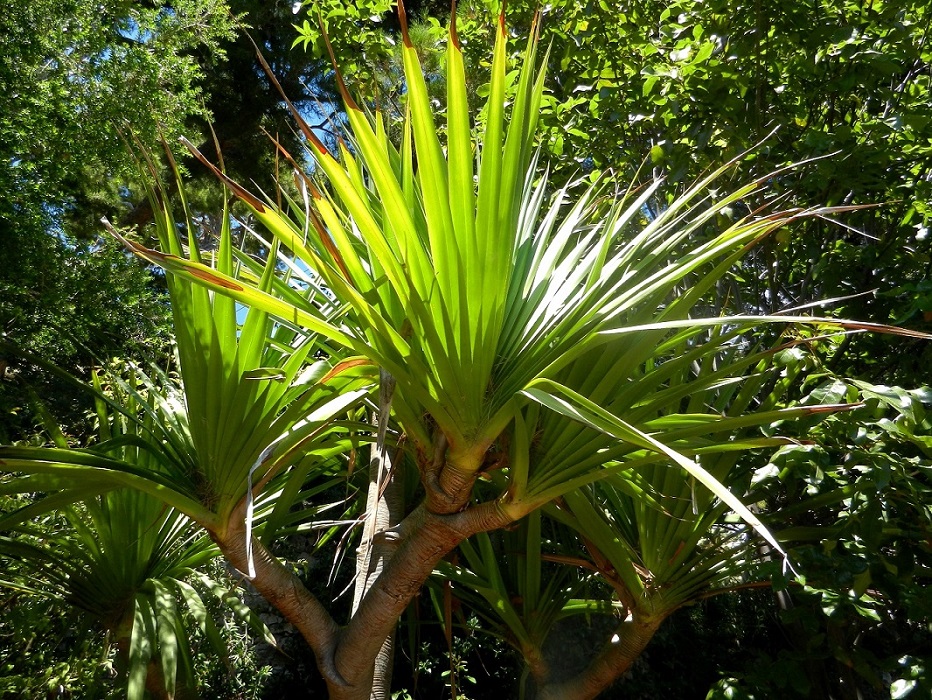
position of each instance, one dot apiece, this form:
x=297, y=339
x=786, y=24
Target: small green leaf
x=649, y=83
x=265, y=373
x=704, y=52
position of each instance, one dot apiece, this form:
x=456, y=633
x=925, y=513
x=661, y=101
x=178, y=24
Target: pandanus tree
x=133, y=567
x=499, y=314
x=641, y=542
x=530, y=344
x=203, y=451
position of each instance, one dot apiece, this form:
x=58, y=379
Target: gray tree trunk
x=384, y=510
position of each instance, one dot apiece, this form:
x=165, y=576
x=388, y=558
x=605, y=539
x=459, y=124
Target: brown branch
x=732, y=589
x=615, y=658
x=449, y=485
x=285, y=591
x=426, y=538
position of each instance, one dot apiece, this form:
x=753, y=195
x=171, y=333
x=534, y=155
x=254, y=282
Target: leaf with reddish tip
x=237, y=189
x=403, y=21
x=302, y=125
x=346, y=365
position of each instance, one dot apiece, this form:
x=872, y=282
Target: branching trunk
x=425, y=539
x=346, y=657
x=616, y=657
x=285, y=591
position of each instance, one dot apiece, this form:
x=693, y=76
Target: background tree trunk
x=384, y=510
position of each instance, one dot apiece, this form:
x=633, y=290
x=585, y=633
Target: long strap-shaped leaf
x=568, y=403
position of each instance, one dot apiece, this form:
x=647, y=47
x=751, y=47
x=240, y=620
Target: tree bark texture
x=616, y=657
x=346, y=656
x=285, y=591
x=384, y=510
x=425, y=539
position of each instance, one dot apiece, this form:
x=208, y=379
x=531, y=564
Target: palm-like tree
x=653, y=538
x=256, y=394
x=121, y=556
x=507, y=318
x=489, y=306
x=253, y=403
